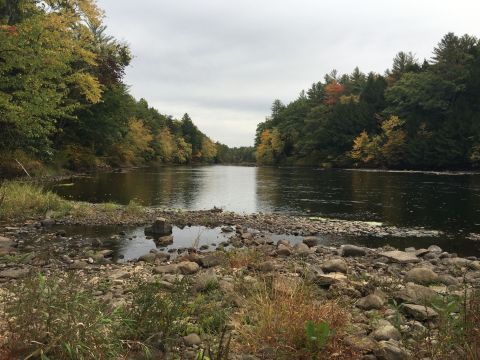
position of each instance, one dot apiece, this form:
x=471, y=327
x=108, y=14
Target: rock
x=160, y=227
x=163, y=241
x=417, y=294
x=352, y=250
x=361, y=343
x=14, y=273
x=435, y=249
x=310, y=241
x=301, y=249
x=283, y=242
x=447, y=279
x=192, y=339
x=283, y=250
x=457, y=261
x=421, y=275
x=188, y=267
x=47, y=222
x=6, y=246
x=228, y=229
x=78, y=265
x=166, y=269
x=370, y=302
x=335, y=265
x=390, y=350
x=475, y=265
x=400, y=256
x=213, y=259
x=420, y=312
x=266, y=266
x=148, y=258
x=386, y=332
x=204, y=247
x=329, y=279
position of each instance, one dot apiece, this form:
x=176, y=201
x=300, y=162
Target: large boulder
x=188, y=267
x=386, y=332
x=390, y=350
x=159, y=228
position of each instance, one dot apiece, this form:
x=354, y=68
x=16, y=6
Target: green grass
x=22, y=200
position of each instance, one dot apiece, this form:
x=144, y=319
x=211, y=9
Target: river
x=439, y=201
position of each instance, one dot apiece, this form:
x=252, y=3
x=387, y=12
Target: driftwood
x=23, y=167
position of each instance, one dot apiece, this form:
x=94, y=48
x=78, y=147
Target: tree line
x=417, y=115
x=63, y=100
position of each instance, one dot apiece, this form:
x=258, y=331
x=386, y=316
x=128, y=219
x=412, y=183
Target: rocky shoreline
x=393, y=297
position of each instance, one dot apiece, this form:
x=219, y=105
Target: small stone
x=420, y=312
x=435, y=249
x=329, y=279
x=353, y=250
x=192, y=339
x=370, y=302
x=310, y=241
x=421, y=275
x=335, y=265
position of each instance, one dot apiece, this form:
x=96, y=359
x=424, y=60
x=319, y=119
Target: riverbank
x=251, y=298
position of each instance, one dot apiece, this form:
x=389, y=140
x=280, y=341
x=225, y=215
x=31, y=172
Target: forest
x=63, y=101
x=417, y=115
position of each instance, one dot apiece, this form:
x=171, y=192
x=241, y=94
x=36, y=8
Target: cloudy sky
x=225, y=61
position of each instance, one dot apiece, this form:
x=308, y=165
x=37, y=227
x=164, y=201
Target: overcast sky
x=225, y=61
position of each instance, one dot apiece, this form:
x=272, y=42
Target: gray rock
x=420, y=312
x=160, y=227
x=166, y=269
x=14, y=273
x=370, y=302
x=416, y=294
x=188, y=267
x=353, y=250
x=400, y=256
x=335, y=265
x=192, y=339
x=301, y=249
x=457, y=261
x=310, y=241
x=386, y=332
x=47, y=222
x=447, y=279
x=435, y=249
x=390, y=350
x=283, y=250
x=213, y=259
x=421, y=275
x=7, y=246
x=329, y=279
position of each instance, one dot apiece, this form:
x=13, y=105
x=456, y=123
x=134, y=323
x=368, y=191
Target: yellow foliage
x=209, y=150
x=167, y=145
x=88, y=85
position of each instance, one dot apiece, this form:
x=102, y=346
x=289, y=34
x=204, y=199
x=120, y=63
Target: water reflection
x=436, y=201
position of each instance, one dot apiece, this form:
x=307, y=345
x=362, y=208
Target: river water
x=439, y=201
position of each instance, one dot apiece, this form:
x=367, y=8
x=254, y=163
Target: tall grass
x=22, y=200
x=281, y=314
